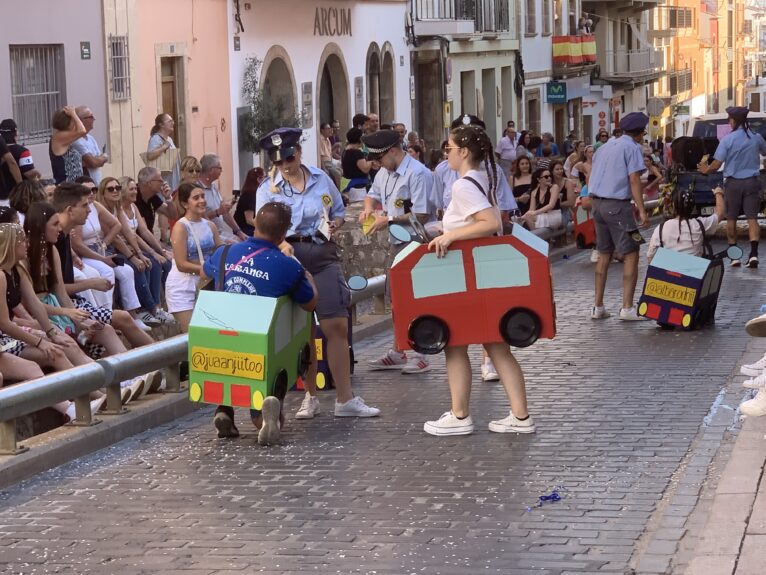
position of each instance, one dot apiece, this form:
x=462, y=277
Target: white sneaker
x=735, y=263
x=599, y=313
x=488, y=371
x=149, y=319
x=164, y=316
x=416, y=363
x=755, y=407
x=631, y=315
x=355, y=407
x=309, y=407
x=756, y=327
x=137, y=388
x=154, y=381
x=97, y=404
x=754, y=369
x=755, y=382
x=448, y=424
x=752, y=262
x=392, y=360
x=511, y=424
x=270, y=430
x=594, y=256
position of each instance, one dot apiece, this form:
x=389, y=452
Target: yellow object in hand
x=367, y=224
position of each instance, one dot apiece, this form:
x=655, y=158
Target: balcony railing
x=456, y=17
x=573, y=53
x=624, y=64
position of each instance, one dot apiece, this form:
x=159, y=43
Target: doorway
x=387, y=112
x=333, y=93
x=172, y=88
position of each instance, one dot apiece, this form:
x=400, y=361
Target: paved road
x=617, y=408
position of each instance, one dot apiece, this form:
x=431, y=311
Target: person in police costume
x=402, y=186
x=739, y=152
x=317, y=213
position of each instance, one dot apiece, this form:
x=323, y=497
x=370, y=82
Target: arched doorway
x=278, y=90
x=333, y=92
x=387, y=107
x=373, y=80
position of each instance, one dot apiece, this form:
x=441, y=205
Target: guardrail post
x=114, y=400
x=172, y=379
x=8, y=439
x=379, y=304
x=83, y=416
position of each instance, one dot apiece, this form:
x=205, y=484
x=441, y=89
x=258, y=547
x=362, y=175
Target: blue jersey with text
x=258, y=267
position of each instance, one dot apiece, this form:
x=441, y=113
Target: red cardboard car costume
x=487, y=290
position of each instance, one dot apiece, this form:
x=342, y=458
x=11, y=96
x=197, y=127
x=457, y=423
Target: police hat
x=378, y=143
x=281, y=143
x=468, y=120
x=739, y=113
x=634, y=122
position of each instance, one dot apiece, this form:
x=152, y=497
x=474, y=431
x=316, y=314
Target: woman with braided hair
x=473, y=213
x=684, y=233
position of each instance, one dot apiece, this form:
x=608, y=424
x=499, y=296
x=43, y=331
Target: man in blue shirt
x=740, y=154
x=258, y=267
x=614, y=179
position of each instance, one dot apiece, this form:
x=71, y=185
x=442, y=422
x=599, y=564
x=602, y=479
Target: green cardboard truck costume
x=243, y=348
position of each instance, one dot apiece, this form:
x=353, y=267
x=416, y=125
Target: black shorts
x=322, y=262
x=614, y=223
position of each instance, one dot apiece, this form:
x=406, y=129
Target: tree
x=266, y=112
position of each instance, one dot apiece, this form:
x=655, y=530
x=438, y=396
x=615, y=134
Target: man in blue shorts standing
x=256, y=266
x=615, y=179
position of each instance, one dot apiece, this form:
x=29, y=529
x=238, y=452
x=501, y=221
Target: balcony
x=631, y=65
x=573, y=54
x=461, y=17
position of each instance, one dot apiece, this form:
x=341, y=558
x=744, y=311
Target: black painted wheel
x=520, y=327
x=280, y=385
x=428, y=335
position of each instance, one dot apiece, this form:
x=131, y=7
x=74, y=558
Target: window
x=546, y=16
x=120, y=67
x=730, y=81
x=432, y=277
x=37, y=88
x=531, y=27
x=500, y=266
x=681, y=18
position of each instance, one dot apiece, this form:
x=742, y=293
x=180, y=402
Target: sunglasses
x=113, y=188
x=545, y=177
x=288, y=159
x=193, y=170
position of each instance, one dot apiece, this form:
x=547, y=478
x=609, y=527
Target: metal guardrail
x=24, y=398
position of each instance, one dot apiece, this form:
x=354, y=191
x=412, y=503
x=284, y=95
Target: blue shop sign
x=556, y=93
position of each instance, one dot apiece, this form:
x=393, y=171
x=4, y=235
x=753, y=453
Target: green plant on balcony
x=267, y=112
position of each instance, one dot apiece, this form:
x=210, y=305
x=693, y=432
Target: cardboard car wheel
x=280, y=386
x=520, y=327
x=428, y=335
x=304, y=360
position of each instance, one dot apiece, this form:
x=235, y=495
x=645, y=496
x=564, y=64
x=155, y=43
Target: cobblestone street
x=618, y=408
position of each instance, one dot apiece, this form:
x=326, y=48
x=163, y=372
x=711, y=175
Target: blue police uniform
x=444, y=177
x=318, y=199
x=740, y=153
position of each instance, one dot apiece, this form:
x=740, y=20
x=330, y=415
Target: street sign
x=556, y=93
x=601, y=123
x=602, y=114
x=681, y=110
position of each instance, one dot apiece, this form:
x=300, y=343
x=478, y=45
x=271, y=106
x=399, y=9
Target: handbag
x=166, y=162
x=62, y=322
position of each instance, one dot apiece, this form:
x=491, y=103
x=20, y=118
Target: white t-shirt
x=467, y=200
x=88, y=145
x=675, y=235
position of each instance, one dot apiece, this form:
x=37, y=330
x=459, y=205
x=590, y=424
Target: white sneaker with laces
x=392, y=360
x=755, y=407
x=164, y=316
x=416, y=363
x=149, y=319
x=141, y=325
x=754, y=369
x=309, y=407
x=488, y=371
x=756, y=327
x=355, y=407
x=154, y=381
x=594, y=256
x=755, y=382
x=599, y=313
x=631, y=315
x=512, y=424
x=137, y=388
x=448, y=424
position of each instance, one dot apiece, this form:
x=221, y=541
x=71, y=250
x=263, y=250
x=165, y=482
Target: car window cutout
x=500, y=266
x=432, y=276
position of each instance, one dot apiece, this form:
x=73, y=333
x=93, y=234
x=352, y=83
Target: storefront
x=328, y=61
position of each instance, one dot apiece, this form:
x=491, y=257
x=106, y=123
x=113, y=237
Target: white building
x=330, y=60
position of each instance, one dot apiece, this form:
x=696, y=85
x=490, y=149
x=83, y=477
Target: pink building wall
x=197, y=31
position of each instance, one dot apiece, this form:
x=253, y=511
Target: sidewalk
x=733, y=540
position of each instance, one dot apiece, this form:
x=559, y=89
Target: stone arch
x=388, y=85
x=372, y=79
x=332, y=89
x=278, y=80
